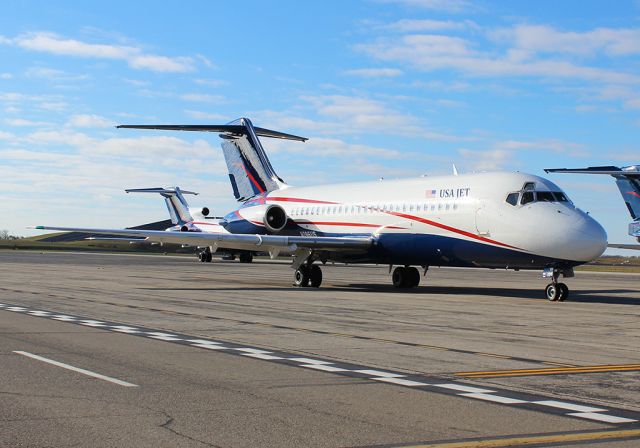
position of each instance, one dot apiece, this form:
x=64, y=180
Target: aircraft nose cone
x=589, y=241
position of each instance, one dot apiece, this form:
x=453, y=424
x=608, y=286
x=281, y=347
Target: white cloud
x=375, y=72
x=202, y=97
x=532, y=39
x=24, y=122
x=6, y=76
x=211, y=82
x=416, y=25
x=89, y=121
x=54, y=44
x=331, y=147
x=52, y=74
x=431, y=52
x=55, y=106
x=490, y=160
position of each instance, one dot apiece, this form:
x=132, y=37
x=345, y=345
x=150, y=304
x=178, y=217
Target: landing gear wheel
x=209, y=256
x=413, y=277
x=315, y=276
x=564, y=292
x=405, y=277
x=399, y=276
x=301, y=277
x=552, y=292
x=246, y=257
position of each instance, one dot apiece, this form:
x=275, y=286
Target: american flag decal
x=430, y=193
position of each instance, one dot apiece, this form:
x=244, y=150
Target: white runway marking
x=211, y=346
x=92, y=323
x=379, y=373
x=308, y=361
x=568, y=406
x=76, y=369
x=602, y=417
x=323, y=367
x=262, y=356
x=462, y=388
x=125, y=329
x=39, y=313
x=494, y=398
x=401, y=382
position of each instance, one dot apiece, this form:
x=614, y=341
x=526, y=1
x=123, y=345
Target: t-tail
x=250, y=171
x=628, y=181
x=177, y=205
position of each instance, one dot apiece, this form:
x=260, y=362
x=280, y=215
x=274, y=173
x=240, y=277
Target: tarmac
x=148, y=350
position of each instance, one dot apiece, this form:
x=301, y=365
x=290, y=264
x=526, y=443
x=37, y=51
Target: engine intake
x=205, y=211
x=275, y=218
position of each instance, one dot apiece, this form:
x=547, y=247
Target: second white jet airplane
x=486, y=220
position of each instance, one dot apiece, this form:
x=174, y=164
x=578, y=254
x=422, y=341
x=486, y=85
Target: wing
x=233, y=241
x=625, y=246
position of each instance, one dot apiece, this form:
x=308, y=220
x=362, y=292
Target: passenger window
x=527, y=197
x=512, y=198
x=545, y=196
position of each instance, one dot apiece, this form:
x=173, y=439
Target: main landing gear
x=405, y=277
x=306, y=273
x=205, y=256
x=557, y=292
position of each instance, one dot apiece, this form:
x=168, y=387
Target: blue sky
x=391, y=88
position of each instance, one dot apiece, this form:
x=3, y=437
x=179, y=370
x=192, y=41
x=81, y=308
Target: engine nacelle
x=275, y=218
x=199, y=213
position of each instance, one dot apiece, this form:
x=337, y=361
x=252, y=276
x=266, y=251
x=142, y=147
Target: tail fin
x=628, y=182
x=175, y=201
x=250, y=171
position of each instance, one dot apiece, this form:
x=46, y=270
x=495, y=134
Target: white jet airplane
x=486, y=220
x=628, y=182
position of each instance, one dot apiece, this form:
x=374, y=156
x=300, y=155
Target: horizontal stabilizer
x=158, y=190
x=629, y=171
x=230, y=129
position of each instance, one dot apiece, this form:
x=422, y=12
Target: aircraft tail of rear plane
x=175, y=201
x=628, y=182
x=250, y=171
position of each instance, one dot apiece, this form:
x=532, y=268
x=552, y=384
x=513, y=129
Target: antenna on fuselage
x=455, y=170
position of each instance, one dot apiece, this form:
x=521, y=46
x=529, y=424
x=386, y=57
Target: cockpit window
x=560, y=196
x=529, y=186
x=512, y=198
x=545, y=196
x=527, y=196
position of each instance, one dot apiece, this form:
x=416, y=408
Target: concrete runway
x=475, y=357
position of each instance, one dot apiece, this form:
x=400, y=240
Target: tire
x=399, y=277
x=413, y=277
x=246, y=257
x=552, y=291
x=202, y=257
x=301, y=277
x=564, y=292
x=315, y=276
x=209, y=257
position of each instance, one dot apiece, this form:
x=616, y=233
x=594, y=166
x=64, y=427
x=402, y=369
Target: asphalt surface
x=458, y=321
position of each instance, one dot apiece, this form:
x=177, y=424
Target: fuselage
x=499, y=220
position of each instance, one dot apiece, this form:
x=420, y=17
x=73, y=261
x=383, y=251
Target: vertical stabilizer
x=174, y=200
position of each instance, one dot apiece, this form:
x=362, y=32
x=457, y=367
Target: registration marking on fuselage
x=495, y=395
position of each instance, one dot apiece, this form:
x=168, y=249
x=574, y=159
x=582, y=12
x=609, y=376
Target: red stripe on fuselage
x=633, y=193
x=451, y=229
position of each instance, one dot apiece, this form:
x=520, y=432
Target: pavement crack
x=167, y=425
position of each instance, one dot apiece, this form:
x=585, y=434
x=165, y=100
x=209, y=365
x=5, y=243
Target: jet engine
x=275, y=218
x=199, y=213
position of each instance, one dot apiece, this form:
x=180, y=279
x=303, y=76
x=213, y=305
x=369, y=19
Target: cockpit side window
x=527, y=196
x=560, y=196
x=512, y=198
x=529, y=186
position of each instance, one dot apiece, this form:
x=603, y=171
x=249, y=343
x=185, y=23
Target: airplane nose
x=589, y=241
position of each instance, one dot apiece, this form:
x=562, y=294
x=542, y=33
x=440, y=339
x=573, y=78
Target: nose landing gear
x=557, y=292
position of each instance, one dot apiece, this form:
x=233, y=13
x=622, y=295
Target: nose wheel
x=557, y=292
